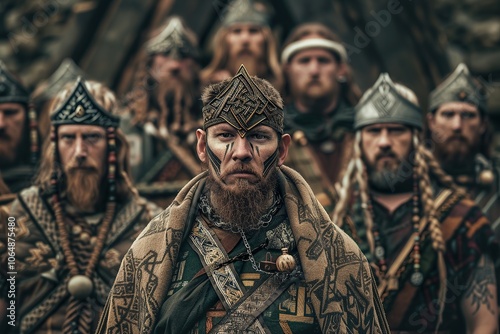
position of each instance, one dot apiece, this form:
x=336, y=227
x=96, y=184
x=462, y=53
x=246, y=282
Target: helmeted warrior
x=162, y=109
x=430, y=246
x=18, y=136
x=244, y=37
x=461, y=138
x=245, y=246
x=74, y=226
x=460, y=134
x=171, y=73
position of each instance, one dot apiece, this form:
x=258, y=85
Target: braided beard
x=242, y=205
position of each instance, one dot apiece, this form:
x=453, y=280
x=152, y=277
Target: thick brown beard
x=391, y=177
x=83, y=188
x=242, y=205
x=455, y=155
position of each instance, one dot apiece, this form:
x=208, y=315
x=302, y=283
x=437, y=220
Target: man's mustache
x=81, y=169
x=245, y=52
x=388, y=154
x=86, y=165
x=314, y=82
x=239, y=169
x=457, y=137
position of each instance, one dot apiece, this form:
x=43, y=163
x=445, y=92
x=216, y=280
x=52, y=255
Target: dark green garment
x=185, y=310
x=318, y=127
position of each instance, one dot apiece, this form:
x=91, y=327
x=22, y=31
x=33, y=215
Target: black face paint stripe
x=214, y=161
x=257, y=149
x=269, y=163
x=225, y=153
x=252, y=147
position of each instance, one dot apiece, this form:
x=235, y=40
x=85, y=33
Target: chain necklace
x=264, y=221
x=417, y=276
x=208, y=210
x=250, y=255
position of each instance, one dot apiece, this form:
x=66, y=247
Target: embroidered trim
x=224, y=279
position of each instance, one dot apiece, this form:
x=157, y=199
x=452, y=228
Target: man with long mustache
x=74, y=225
x=245, y=247
x=431, y=248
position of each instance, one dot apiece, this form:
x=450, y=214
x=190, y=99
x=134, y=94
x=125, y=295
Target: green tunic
x=193, y=305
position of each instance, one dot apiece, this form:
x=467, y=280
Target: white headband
x=313, y=43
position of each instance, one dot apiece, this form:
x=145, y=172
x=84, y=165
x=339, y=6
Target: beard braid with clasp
x=423, y=160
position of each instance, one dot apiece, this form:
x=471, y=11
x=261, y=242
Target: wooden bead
x=80, y=286
x=486, y=177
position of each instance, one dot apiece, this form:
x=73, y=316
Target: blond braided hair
x=439, y=174
x=422, y=159
x=355, y=171
x=344, y=191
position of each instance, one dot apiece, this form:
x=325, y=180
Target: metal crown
x=81, y=108
x=244, y=106
x=11, y=89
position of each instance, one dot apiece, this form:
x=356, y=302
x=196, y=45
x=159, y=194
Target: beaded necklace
x=81, y=286
x=416, y=277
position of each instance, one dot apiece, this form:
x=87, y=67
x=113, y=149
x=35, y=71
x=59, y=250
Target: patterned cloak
x=41, y=272
x=338, y=276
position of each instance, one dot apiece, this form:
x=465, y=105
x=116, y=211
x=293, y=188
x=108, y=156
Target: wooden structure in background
x=104, y=37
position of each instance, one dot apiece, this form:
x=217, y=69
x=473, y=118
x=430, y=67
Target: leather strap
x=398, y=262
x=228, y=240
x=405, y=295
x=253, y=304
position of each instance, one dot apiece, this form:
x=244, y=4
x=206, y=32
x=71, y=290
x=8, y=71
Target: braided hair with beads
x=80, y=108
x=387, y=102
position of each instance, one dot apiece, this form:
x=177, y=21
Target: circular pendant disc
x=80, y=286
x=417, y=278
